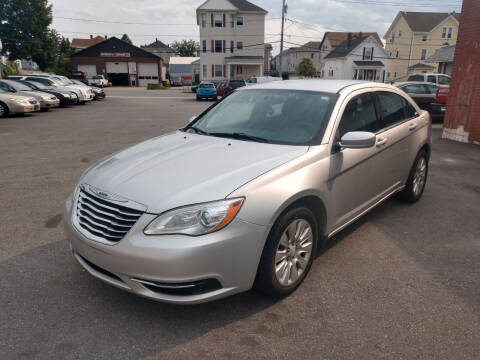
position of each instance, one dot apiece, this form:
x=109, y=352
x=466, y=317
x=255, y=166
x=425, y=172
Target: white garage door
x=147, y=74
x=90, y=70
x=116, y=67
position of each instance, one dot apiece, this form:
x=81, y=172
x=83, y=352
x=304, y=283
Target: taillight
x=229, y=88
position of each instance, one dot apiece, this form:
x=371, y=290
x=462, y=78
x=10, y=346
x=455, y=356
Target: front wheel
x=288, y=253
x=416, y=180
x=3, y=110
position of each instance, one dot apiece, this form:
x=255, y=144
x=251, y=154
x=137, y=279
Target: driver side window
x=359, y=115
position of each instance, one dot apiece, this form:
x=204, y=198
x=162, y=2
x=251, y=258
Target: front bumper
x=228, y=257
x=48, y=104
x=16, y=108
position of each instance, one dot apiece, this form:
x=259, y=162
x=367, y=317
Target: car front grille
x=104, y=219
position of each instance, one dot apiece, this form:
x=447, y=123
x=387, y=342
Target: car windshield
x=206, y=86
x=18, y=86
x=39, y=85
x=275, y=116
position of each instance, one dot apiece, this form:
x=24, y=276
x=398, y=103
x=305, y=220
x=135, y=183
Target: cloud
x=313, y=17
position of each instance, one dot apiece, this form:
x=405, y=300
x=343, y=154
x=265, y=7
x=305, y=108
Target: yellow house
x=413, y=37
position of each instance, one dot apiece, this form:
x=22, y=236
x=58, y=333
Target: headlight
x=196, y=219
x=46, y=97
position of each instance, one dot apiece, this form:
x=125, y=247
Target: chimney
x=91, y=36
x=349, y=40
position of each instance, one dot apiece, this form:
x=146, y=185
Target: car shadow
x=52, y=301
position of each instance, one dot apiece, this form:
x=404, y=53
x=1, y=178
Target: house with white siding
x=232, y=36
x=360, y=58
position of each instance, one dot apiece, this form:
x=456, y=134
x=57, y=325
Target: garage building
x=121, y=63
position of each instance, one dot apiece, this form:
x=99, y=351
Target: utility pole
x=284, y=8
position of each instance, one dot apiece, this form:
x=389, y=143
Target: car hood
x=35, y=94
x=8, y=95
x=183, y=168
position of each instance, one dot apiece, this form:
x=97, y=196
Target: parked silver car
x=249, y=190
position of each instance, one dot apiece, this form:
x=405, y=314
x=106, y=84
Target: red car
x=221, y=88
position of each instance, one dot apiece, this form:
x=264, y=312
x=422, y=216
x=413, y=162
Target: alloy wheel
x=420, y=175
x=293, y=252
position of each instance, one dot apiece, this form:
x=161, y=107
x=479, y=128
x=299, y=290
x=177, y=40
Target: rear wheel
x=3, y=109
x=288, y=253
x=416, y=180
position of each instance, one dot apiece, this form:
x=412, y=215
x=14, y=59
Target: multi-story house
x=292, y=57
x=232, y=36
x=359, y=58
x=331, y=39
x=161, y=50
x=413, y=37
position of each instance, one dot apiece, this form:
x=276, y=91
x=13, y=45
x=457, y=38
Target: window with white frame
x=368, y=53
x=218, y=70
x=312, y=55
x=204, y=70
x=424, y=54
x=397, y=53
x=204, y=20
x=239, y=45
x=399, y=33
x=218, y=20
x=218, y=46
x=232, y=20
x=232, y=45
x=447, y=33
x=395, y=75
x=424, y=38
x=204, y=46
x=239, y=20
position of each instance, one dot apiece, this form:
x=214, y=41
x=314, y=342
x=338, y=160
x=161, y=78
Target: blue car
x=206, y=91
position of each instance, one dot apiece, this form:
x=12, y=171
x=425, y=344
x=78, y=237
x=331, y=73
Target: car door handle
x=412, y=127
x=381, y=142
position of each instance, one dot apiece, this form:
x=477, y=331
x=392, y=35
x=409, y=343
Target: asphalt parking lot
x=401, y=283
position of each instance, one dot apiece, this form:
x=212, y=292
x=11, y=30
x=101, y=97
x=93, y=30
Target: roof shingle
x=426, y=21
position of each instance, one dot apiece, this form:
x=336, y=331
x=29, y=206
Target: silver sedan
x=249, y=191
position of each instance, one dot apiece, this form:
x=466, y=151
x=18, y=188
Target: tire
x=3, y=109
x=215, y=98
x=416, y=181
x=273, y=268
x=44, y=109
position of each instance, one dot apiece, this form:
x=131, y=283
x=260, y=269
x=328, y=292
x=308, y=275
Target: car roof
x=320, y=85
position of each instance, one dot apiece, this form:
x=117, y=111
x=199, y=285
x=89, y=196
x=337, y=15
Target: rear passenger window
x=432, y=79
x=391, y=108
x=415, y=78
x=359, y=115
x=444, y=80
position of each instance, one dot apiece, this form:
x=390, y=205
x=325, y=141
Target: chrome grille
x=104, y=219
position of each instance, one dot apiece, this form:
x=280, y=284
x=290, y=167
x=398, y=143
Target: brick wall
x=462, y=119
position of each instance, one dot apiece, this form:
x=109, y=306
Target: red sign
x=187, y=77
x=115, y=54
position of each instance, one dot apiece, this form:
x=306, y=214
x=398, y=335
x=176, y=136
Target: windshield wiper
x=241, y=136
x=197, y=130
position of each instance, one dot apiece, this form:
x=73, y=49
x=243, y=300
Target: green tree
x=185, y=47
x=126, y=39
x=24, y=30
x=11, y=68
x=306, y=67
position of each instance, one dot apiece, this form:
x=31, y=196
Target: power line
x=139, y=23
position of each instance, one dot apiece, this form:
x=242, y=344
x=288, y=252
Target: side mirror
x=358, y=140
x=192, y=118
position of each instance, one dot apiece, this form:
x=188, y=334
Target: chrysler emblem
x=102, y=193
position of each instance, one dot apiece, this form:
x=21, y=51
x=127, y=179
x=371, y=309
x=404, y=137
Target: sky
x=307, y=20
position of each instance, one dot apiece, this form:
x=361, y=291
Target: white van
x=261, y=79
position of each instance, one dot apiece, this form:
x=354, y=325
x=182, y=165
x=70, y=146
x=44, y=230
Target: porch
x=243, y=67
x=369, y=71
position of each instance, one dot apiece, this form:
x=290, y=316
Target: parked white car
x=261, y=80
x=98, y=80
